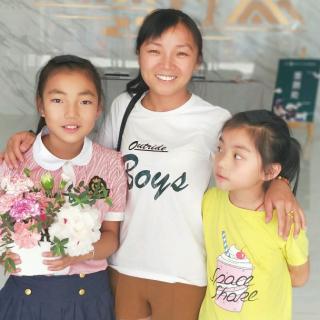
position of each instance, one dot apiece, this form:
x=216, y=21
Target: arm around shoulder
x=17, y=145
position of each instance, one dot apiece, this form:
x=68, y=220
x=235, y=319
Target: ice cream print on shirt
x=233, y=278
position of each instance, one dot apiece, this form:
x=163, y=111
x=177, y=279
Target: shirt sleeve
x=118, y=190
x=296, y=251
x=209, y=197
x=105, y=133
x=108, y=132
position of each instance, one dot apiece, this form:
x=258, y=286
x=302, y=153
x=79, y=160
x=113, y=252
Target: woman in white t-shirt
x=159, y=269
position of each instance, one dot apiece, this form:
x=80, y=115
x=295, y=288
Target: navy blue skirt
x=75, y=297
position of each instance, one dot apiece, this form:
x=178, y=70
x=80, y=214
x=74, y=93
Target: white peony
x=16, y=185
x=80, y=225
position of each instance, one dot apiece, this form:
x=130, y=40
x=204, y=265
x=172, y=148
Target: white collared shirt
x=45, y=159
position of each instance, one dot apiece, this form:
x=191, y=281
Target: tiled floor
x=306, y=299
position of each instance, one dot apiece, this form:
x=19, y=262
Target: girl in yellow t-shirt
x=251, y=270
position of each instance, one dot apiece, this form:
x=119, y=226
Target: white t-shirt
x=168, y=161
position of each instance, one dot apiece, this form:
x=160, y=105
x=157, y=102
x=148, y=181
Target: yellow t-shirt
x=247, y=271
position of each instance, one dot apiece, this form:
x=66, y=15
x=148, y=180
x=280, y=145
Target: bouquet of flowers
x=61, y=216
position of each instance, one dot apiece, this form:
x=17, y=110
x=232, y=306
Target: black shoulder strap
x=130, y=106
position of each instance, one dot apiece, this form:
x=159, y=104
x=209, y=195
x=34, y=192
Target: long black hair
x=272, y=139
x=153, y=27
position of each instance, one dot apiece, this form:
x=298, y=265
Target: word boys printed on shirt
x=157, y=180
x=233, y=278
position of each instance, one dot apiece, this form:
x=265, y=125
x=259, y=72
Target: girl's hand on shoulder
x=18, y=144
x=280, y=197
x=58, y=263
x=16, y=259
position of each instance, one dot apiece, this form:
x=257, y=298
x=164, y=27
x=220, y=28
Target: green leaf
x=3, y=255
x=108, y=201
x=58, y=247
x=9, y=265
x=62, y=184
x=27, y=172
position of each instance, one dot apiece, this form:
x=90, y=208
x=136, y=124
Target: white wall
x=104, y=31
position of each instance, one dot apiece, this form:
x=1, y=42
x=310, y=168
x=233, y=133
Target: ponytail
x=137, y=85
x=136, y=88
x=291, y=166
x=41, y=124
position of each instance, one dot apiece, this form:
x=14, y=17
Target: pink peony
x=25, y=208
x=6, y=202
x=40, y=198
x=23, y=237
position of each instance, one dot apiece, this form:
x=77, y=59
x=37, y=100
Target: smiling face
x=167, y=64
x=70, y=105
x=237, y=164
